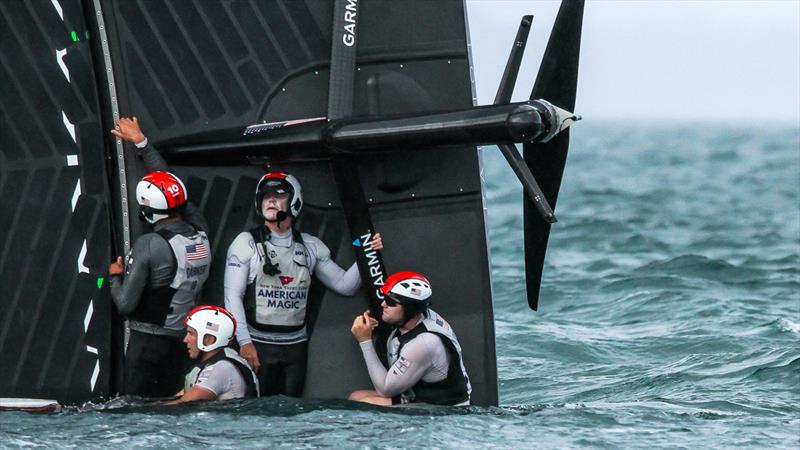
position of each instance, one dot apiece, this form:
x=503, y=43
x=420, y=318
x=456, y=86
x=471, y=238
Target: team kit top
x=425, y=364
x=227, y=375
x=274, y=306
x=165, y=269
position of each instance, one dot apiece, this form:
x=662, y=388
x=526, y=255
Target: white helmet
x=213, y=320
x=159, y=194
x=280, y=182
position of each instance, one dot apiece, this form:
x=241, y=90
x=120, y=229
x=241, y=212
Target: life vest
x=452, y=390
x=228, y=354
x=191, y=257
x=279, y=302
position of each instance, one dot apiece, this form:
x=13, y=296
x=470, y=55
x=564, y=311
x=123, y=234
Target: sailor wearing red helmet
x=162, y=276
x=425, y=361
x=267, y=279
x=220, y=373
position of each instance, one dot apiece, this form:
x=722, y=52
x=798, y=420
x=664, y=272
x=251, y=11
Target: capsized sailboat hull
x=184, y=69
x=359, y=134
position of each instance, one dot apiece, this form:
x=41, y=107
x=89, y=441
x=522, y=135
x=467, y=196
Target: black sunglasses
x=391, y=301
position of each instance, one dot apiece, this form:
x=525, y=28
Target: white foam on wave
x=574, y=405
x=788, y=325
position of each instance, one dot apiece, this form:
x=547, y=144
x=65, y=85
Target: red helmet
x=280, y=182
x=408, y=287
x=159, y=194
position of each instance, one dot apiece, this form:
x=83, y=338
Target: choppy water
x=670, y=317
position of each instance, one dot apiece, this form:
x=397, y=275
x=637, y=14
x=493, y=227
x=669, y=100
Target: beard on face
x=395, y=320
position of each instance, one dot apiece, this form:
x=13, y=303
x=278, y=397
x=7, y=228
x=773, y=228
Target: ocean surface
x=669, y=317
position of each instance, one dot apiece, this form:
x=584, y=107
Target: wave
x=788, y=325
x=617, y=283
x=698, y=266
x=716, y=409
x=274, y=406
x=779, y=371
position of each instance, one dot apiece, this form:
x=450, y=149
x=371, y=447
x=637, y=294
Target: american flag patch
x=212, y=326
x=402, y=365
x=196, y=251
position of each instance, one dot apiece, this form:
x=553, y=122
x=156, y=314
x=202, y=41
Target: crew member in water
x=425, y=361
x=162, y=276
x=267, y=280
x=220, y=374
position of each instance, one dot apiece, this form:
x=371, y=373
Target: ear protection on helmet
x=214, y=321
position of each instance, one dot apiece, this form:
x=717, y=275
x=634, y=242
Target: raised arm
x=336, y=278
x=128, y=130
x=415, y=359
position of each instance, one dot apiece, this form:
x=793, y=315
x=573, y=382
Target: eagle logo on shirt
x=286, y=280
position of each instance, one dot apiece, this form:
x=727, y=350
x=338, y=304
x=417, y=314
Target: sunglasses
x=391, y=301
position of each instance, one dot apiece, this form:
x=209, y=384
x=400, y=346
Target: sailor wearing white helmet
x=267, y=280
x=162, y=275
x=425, y=361
x=221, y=374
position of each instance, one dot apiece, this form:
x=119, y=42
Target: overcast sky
x=656, y=60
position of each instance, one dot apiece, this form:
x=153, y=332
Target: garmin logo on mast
x=374, y=266
x=349, y=36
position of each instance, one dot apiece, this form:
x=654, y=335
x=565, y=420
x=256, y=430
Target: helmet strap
x=412, y=310
x=279, y=217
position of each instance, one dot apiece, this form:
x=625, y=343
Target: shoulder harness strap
x=167, y=235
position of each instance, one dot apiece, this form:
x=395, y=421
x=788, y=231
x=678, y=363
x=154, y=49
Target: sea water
x=669, y=317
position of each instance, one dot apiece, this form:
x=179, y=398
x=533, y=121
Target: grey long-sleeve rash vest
x=150, y=261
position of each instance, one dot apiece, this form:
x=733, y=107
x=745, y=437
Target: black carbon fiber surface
x=191, y=66
x=55, y=315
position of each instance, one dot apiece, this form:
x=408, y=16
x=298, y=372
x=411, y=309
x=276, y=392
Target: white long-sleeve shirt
x=422, y=358
x=242, y=264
